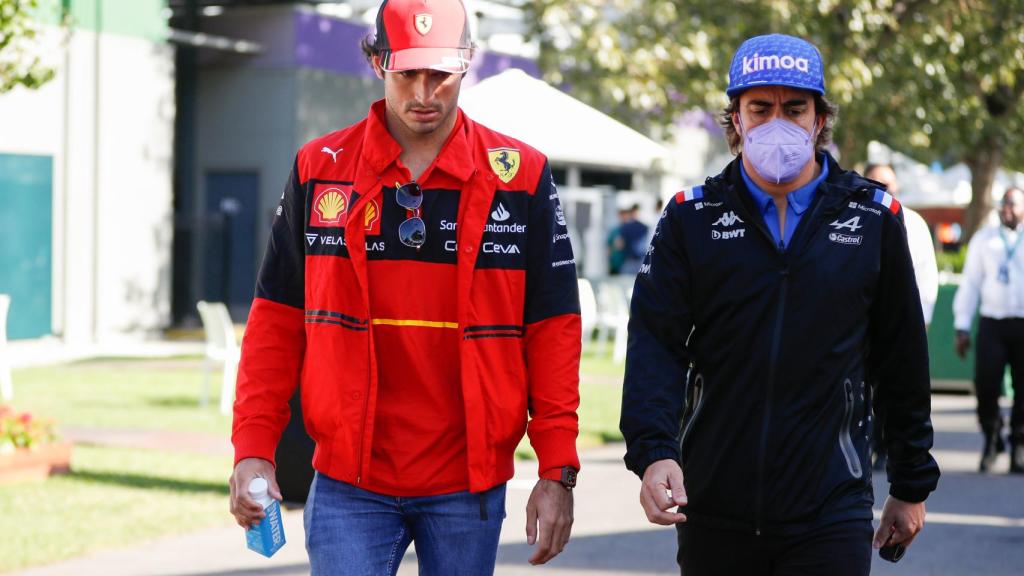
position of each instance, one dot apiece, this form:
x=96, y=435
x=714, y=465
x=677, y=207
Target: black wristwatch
x=568, y=478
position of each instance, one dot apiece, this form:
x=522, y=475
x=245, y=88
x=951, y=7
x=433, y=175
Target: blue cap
x=776, y=60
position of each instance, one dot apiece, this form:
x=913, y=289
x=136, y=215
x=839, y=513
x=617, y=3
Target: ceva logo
x=757, y=63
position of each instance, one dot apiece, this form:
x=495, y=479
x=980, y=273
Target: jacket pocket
x=695, y=401
x=845, y=439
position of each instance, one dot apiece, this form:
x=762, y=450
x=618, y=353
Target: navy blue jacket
x=748, y=363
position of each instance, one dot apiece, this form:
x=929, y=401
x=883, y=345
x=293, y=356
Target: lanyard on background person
x=1004, y=269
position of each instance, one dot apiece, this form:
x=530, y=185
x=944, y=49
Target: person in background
x=630, y=240
x=994, y=275
x=420, y=282
x=922, y=253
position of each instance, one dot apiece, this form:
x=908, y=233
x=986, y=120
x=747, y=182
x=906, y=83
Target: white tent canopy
x=565, y=129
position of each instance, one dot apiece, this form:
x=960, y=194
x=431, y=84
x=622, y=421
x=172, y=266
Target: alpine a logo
x=728, y=219
x=500, y=214
x=757, y=63
x=853, y=224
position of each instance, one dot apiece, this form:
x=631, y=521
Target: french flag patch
x=695, y=193
x=886, y=199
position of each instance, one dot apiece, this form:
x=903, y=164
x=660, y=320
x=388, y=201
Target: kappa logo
x=333, y=153
x=853, y=224
x=500, y=214
x=728, y=219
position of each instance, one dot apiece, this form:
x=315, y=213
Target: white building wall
x=112, y=196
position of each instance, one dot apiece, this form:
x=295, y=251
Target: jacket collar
x=381, y=150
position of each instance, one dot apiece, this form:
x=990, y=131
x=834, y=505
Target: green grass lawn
x=113, y=497
x=111, y=393
x=116, y=497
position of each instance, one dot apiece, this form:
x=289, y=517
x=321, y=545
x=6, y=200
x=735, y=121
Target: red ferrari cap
x=416, y=34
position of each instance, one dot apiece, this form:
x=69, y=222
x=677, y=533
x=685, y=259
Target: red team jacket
x=517, y=303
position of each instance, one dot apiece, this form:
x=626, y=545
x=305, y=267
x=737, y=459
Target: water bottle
x=267, y=537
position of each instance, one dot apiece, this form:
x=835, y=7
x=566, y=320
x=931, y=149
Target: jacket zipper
x=698, y=402
x=845, y=441
x=769, y=393
x=366, y=406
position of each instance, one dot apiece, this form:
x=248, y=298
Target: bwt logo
x=757, y=63
x=728, y=234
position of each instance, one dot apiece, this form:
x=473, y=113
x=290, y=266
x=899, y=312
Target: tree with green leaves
x=937, y=79
x=20, y=65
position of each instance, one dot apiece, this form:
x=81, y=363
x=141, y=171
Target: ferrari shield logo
x=423, y=23
x=504, y=162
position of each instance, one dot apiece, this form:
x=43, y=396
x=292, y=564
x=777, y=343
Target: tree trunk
x=983, y=161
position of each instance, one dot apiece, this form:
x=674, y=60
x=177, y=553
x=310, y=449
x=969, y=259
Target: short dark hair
x=822, y=107
x=369, y=47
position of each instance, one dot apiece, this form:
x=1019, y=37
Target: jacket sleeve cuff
x=555, y=448
x=908, y=494
x=255, y=442
x=639, y=463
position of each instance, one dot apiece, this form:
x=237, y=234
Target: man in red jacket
x=420, y=284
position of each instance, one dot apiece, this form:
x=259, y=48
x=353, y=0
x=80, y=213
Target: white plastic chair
x=221, y=348
x=6, y=384
x=612, y=317
x=588, y=308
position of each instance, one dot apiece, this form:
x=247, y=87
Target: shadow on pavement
x=288, y=570
x=153, y=482
x=643, y=552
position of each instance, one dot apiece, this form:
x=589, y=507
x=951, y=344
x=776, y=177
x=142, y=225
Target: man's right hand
x=963, y=342
x=248, y=512
x=662, y=490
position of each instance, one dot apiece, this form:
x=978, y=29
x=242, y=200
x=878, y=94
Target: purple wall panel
x=329, y=44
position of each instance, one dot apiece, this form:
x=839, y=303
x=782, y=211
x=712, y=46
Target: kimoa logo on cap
x=757, y=63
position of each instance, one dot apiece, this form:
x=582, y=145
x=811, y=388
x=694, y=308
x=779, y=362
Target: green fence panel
x=944, y=363
x=26, y=213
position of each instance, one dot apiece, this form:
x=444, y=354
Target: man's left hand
x=903, y=520
x=550, y=510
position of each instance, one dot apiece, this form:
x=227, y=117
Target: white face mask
x=778, y=150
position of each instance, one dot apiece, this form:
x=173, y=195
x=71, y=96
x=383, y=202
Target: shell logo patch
x=504, y=162
x=423, y=23
x=371, y=218
x=330, y=205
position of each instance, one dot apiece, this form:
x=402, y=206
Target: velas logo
x=330, y=205
x=758, y=63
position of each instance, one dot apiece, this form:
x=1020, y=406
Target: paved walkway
x=975, y=526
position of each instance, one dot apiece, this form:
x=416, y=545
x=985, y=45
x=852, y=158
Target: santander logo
x=757, y=63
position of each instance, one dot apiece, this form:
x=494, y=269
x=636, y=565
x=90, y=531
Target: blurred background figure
x=994, y=273
x=922, y=253
x=628, y=242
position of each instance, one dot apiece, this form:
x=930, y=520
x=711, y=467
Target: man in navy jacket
x=769, y=300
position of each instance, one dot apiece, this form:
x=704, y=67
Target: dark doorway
x=229, y=269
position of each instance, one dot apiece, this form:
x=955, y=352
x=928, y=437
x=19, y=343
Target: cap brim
x=736, y=90
x=453, y=60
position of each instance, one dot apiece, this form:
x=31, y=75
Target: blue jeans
x=353, y=532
